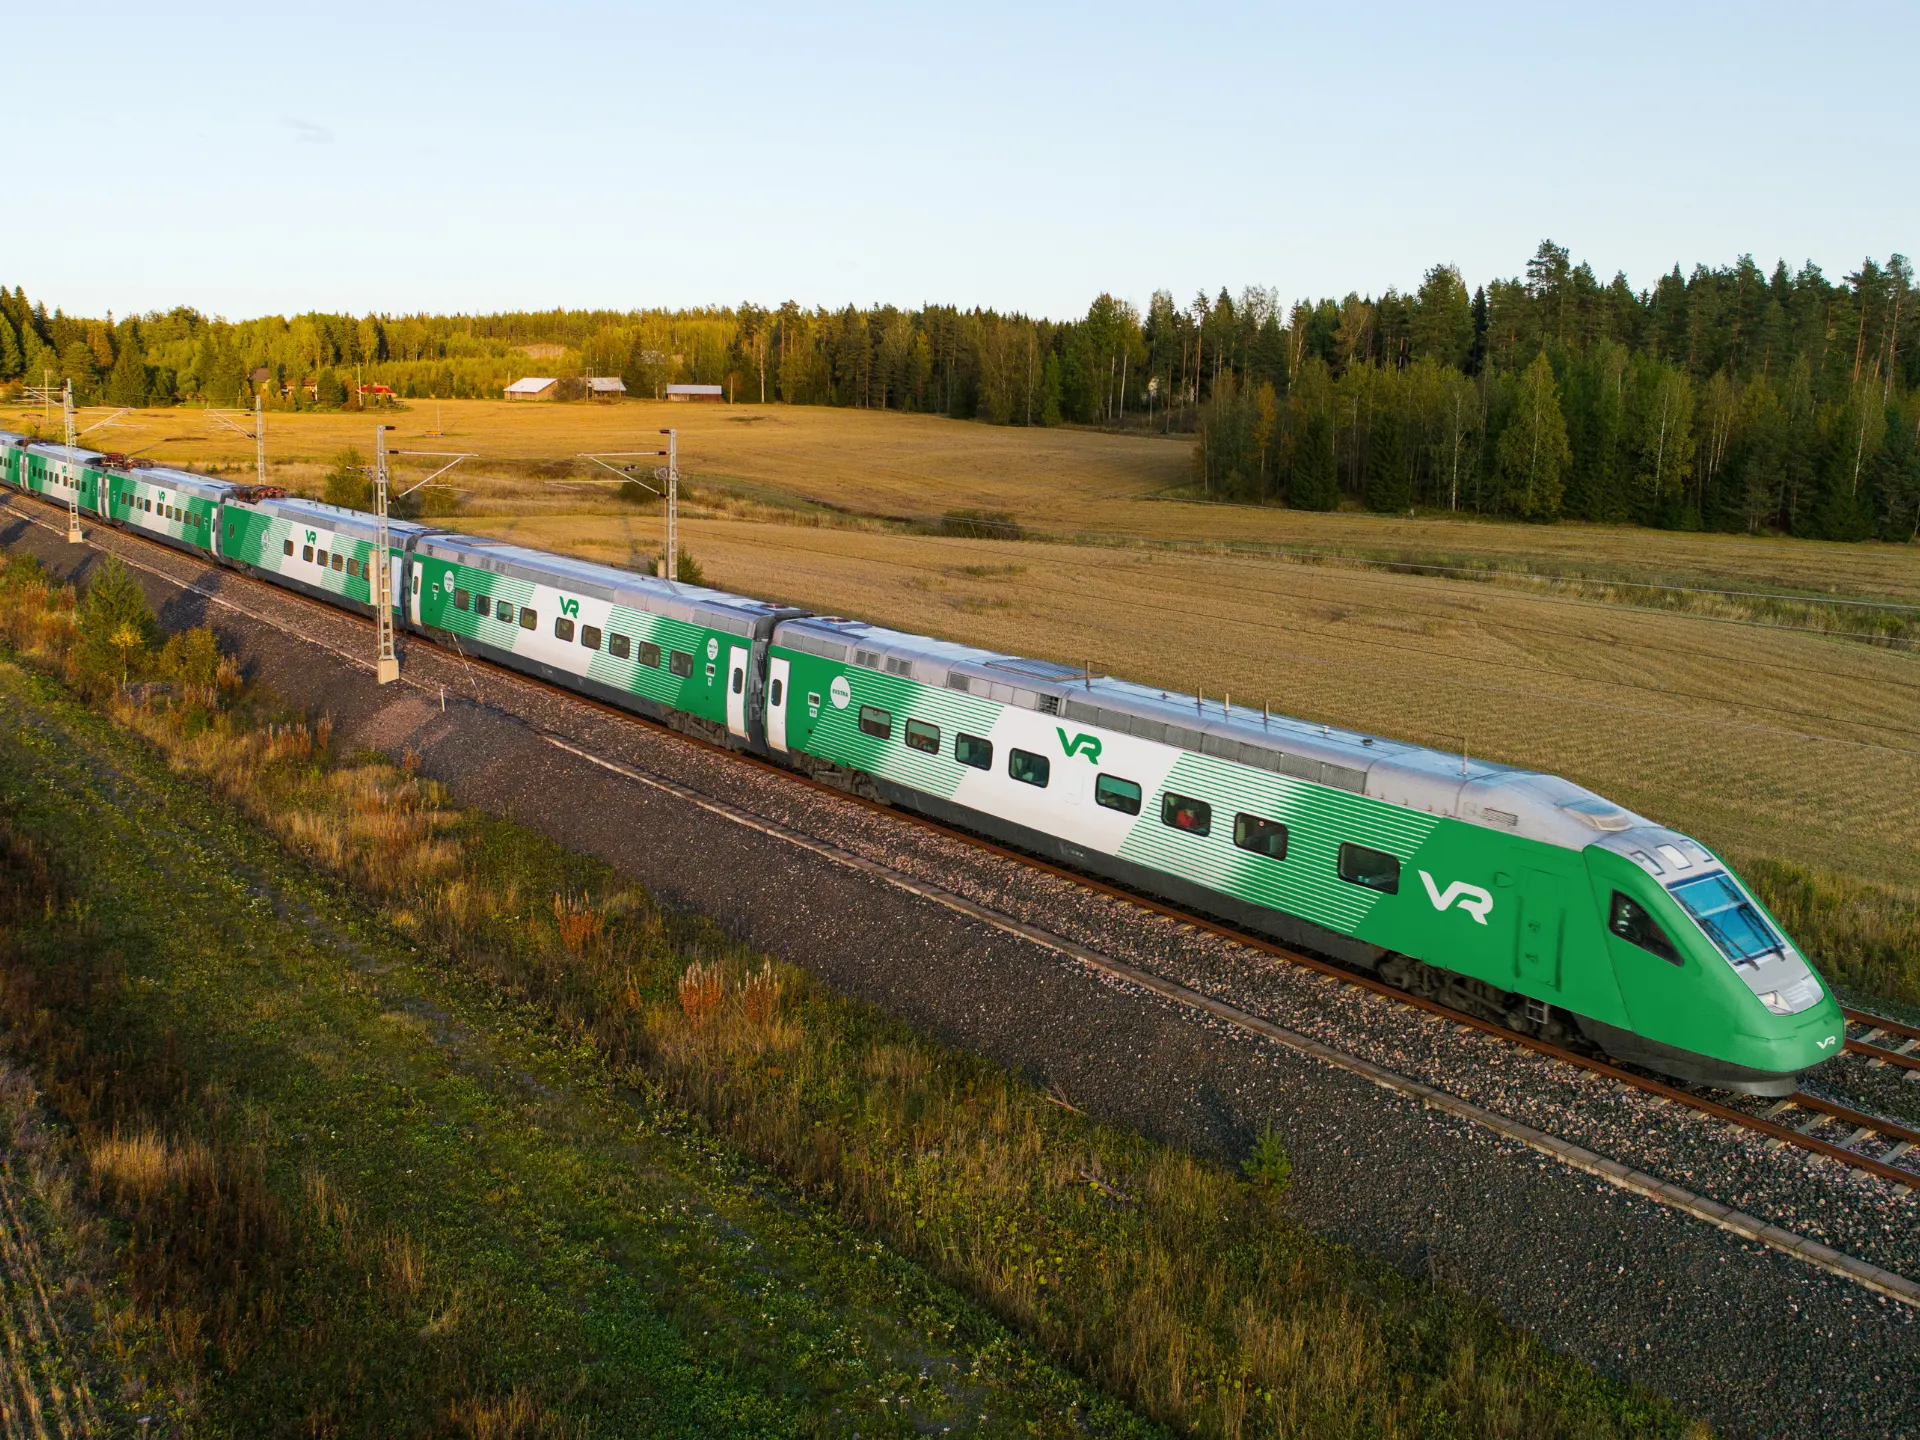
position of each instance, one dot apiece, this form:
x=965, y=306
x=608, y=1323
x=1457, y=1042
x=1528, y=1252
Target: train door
x=777, y=681
x=1542, y=930
x=737, y=691
x=418, y=570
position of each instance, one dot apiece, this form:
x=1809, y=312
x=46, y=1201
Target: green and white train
x=1512, y=894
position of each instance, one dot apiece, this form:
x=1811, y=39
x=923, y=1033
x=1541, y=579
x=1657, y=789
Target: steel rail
x=1739, y=1119
x=1859, y=1119
x=1904, y=1057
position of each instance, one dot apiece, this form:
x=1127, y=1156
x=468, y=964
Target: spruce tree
x=127, y=385
x=1531, y=457
x=11, y=360
x=1315, y=485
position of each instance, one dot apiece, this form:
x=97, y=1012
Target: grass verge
x=428, y=1166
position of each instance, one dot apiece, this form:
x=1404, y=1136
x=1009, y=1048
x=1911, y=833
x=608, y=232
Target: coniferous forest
x=1729, y=399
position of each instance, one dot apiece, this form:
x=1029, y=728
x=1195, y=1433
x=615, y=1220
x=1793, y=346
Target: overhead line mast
x=73, y=467
x=386, y=667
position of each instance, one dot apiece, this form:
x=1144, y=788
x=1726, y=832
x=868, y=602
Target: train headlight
x=1773, y=1001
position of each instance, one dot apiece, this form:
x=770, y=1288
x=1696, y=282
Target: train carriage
x=59, y=474
x=1520, y=896
x=325, y=551
x=675, y=652
x=172, y=506
x=13, y=454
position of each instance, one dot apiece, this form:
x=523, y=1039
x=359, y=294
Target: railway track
x=1863, y=1143
x=1902, y=1047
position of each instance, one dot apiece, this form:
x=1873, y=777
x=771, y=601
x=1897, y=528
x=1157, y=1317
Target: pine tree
x=11, y=360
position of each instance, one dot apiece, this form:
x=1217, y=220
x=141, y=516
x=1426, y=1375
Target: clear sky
x=248, y=159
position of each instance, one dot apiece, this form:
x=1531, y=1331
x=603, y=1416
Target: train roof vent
x=1600, y=814
x=1038, y=669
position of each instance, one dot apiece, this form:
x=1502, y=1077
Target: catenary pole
x=386, y=663
x=73, y=467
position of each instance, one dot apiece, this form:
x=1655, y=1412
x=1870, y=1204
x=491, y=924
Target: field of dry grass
x=1764, y=741
x=821, y=462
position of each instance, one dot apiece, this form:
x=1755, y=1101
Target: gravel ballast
x=1761, y=1342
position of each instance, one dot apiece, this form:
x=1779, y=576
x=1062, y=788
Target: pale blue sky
x=250, y=159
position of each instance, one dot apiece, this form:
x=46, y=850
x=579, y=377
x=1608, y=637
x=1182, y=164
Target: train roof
x=697, y=604
x=167, y=478
x=338, y=518
x=1501, y=797
x=75, y=454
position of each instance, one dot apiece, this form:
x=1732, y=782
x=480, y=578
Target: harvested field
x=831, y=465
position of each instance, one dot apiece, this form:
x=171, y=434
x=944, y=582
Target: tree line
x=1731, y=398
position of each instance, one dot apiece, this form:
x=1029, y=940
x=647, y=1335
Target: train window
x=529, y=620
x=286, y=547
x=774, y=693
x=1183, y=812
x=306, y=553
x=503, y=612
x=353, y=567
x=1262, y=837
x=1375, y=869
x=681, y=664
x=590, y=636
x=462, y=599
x=650, y=654
x=876, y=722
x=739, y=682
x=562, y=628
x=1029, y=768
x=229, y=529
x=923, y=737
x=972, y=750
x=320, y=558
x=1113, y=793
x=620, y=647
x=1631, y=922
x=1733, y=925
x=339, y=561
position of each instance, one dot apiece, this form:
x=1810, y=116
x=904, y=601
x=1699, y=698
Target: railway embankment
x=1635, y=1287
x=422, y=1143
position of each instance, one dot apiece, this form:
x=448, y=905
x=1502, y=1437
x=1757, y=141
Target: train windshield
x=1729, y=918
